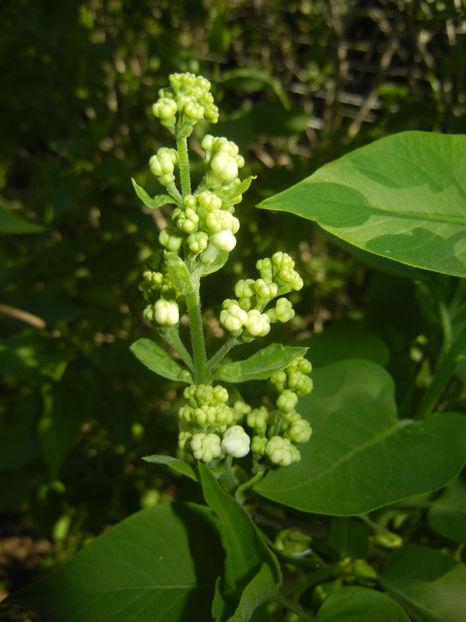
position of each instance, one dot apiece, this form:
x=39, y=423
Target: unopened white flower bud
x=224, y=240
x=205, y=447
x=236, y=442
x=224, y=167
x=166, y=312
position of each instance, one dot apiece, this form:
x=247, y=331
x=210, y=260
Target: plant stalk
x=172, y=337
x=201, y=372
x=183, y=162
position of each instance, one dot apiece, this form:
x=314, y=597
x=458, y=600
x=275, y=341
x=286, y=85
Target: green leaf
x=203, y=269
x=180, y=466
x=245, y=549
x=345, y=340
x=428, y=584
x=260, y=365
x=259, y=591
x=154, y=203
x=401, y=197
x=360, y=604
x=178, y=272
x=361, y=456
x=159, y=565
x=159, y=361
x=13, y=223
x=448, y=514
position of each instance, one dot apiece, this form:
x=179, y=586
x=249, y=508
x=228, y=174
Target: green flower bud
x=148, y=313
x=232, y=317
x=257, y=323
x=198, y=242
x=166, y=312
x=211, y=113
x=287, y=401
x=299, y=431
x=279, y=379
x=240, y=409
x=186, y=220
x=164, y=108
x=220, y=393
x=205, y=447
x=265, y=268
x=300, y=383
x=257, y=419
x=259, y=445
x=244, y=288
x=281, y=451
x=236, y=442
x=171, y=241
x=183, y=438
x=265, y=291
x=194, y=111
x=209, y=201
x=190, y=201
x=154, y=278
x=284, y=310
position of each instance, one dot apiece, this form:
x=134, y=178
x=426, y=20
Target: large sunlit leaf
x=360, y=604
x=429, y=585
x=402, y=197
x=360, y=455
x=159, y=361
x=159, y=565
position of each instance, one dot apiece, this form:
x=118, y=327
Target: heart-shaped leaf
x=260, y=365
x=159, y=361
x=359, y=604
x=159, y=565
x=361, y=456
x=402, y=197
x=428, y=584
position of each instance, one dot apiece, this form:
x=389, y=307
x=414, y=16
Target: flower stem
x=172, y=337
x=201, y=372
x=222, y=352
x=183, y=161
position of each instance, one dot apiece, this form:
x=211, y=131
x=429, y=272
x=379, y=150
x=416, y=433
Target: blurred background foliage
x=298, y=83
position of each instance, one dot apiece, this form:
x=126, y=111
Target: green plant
x=401, y=197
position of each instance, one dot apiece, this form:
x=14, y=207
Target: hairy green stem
x=183, y=161
x=222, y=352
x=201, y=372
x=172, y=337
x=442, y=375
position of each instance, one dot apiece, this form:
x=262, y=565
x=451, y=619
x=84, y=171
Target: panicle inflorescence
x=203, y=223
x=269, y=434
x=245, y=316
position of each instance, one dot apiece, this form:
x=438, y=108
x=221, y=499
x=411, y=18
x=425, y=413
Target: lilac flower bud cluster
x=209, y=427
x=185, y=102
x=276, y=432
x=245, y=316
